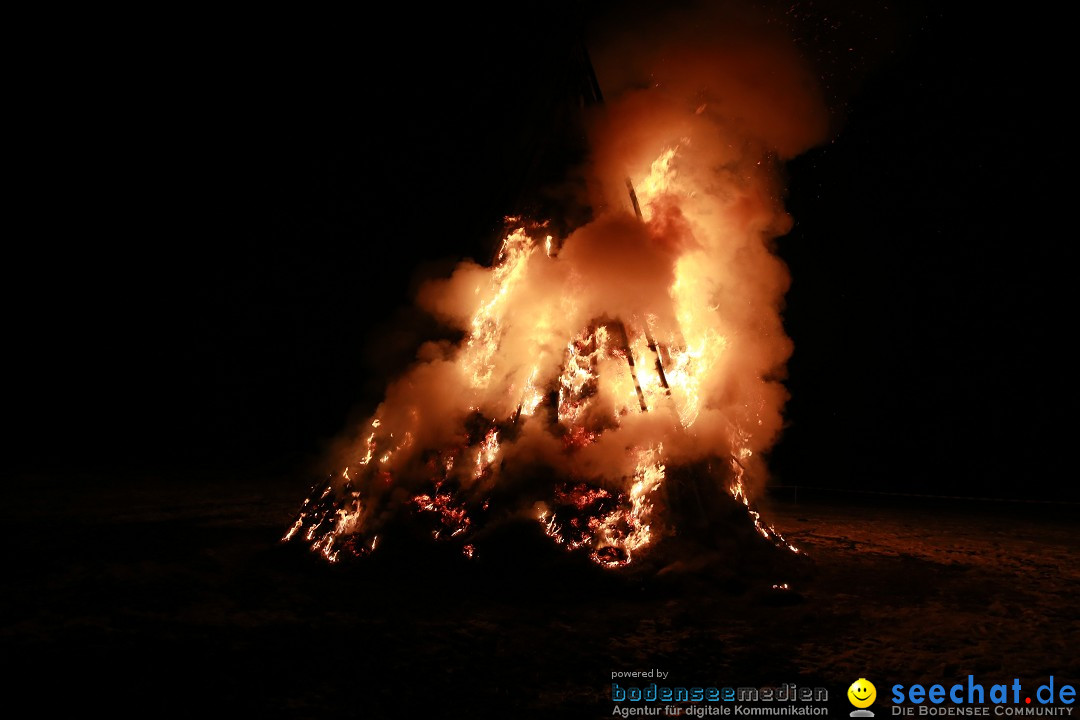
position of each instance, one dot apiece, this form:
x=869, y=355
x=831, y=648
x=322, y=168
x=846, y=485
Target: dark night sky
x=218, y=217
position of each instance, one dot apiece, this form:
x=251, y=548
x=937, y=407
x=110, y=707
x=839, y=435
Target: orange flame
x=646, y=340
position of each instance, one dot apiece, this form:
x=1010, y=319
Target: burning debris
x=610, y=375
x=613, y=383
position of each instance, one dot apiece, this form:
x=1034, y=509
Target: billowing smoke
x=650, y=337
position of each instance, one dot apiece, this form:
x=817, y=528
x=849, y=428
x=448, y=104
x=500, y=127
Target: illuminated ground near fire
x=196, y=584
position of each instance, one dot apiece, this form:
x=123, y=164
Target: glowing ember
x=645, y=341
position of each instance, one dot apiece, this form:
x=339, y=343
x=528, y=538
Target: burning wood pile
x=611, y=384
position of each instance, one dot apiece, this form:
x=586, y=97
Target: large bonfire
x=611, y=381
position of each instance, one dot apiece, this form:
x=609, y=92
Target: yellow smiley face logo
x=862, y=693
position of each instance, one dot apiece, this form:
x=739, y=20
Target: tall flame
x=647, y=339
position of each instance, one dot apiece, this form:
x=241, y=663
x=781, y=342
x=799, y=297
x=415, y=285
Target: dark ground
x=151, y=600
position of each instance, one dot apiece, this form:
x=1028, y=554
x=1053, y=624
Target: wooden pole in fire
x=648, y=333
x=674, y=490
